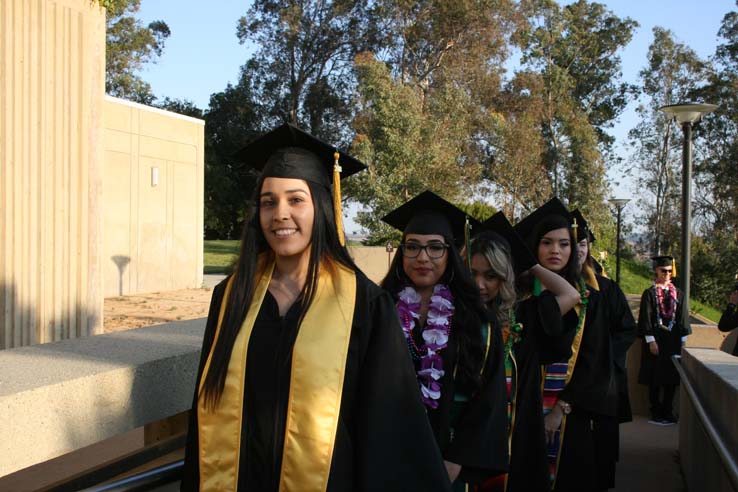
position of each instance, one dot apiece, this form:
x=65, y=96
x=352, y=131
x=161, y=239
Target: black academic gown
x=728, y=322
x=383, y=440
x=659, y=369
x=542, y=325
x=472, y=434
x=588, y=456
x=623, y=333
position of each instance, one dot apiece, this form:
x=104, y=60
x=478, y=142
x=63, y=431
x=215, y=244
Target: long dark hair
x=468, y=315
x=255, y=254
x=571, y=271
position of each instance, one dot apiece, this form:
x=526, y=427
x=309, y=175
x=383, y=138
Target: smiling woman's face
x=286, y=215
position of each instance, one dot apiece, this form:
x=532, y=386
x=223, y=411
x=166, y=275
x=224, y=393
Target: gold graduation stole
x=316, y=387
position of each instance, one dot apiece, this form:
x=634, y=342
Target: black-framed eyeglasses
x=433, y=250
x=665, y=270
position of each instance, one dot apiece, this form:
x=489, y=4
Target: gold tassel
x=337, y=199
x=574, y=226
x=673, y=268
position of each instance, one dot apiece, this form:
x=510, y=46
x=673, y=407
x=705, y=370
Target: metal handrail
x=143, y=481
x=730, y=466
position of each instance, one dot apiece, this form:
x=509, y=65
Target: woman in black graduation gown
x=304, y=381
x=581, y=388
x=458, y=357
x=529, y=326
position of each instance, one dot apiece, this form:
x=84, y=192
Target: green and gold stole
x=316, y=386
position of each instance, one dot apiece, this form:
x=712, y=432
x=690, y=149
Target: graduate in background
x=664, y=325
x=457, y=354
x=529, y=325
x=580, y=391
x=304, y=381
x=622, y=327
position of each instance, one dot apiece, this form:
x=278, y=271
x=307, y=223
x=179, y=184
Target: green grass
x=218, y=255
x=636, y=277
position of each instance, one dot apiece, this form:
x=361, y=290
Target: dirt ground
x=128, y=312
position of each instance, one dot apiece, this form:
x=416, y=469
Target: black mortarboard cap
x=583, y=230
x=428, y=213
x=288, y=152
x=526, y=227
x=498, y=225
x=662, y=261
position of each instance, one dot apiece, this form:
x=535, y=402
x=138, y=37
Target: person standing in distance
x=664, y=325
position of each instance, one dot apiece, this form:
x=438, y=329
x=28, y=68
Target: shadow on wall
x=17, y=321
x=121, y=261
x=23, y=324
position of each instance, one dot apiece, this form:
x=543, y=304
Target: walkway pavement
x=649, y=458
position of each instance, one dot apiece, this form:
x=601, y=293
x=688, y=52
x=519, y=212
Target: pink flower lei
x=435, y=337
x=662, y=313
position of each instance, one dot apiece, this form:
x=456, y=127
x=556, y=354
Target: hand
x=653, y=347
x=552, y=422
x=452, y=469
x=734, y=297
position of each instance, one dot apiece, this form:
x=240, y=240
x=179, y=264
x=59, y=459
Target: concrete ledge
x=714, y=376
x=58, y=397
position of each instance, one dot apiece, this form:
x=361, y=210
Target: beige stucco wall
x=153, y=233
x=51, y=94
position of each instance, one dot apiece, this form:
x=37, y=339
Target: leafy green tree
x=302, y=69
x=129, y=46
x=409, y=143
x=673, y=72
x=233, y=119
x=571, y=67
x=181, y=106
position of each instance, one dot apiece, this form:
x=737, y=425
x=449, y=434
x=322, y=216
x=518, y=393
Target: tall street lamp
x=618, y=203
x=686, y=115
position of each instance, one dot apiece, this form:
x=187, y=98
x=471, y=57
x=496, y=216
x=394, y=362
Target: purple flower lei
x=435, y=337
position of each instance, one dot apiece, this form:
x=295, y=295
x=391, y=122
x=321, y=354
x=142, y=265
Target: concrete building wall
x=51, y=94
x=152, y=199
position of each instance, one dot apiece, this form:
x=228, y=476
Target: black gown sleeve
x=191, y=472
x=729, y=319
x=623, y=326
x=552, y=330
x=480, y=443
x=395, y=446
x=623, y=334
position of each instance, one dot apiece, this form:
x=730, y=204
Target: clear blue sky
x=202, y=54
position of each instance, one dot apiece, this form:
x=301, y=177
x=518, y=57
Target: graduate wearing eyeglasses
x=456, y=352
x=664, y=325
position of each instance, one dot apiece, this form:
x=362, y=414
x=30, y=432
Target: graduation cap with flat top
x=526, y=227
x=288, y=152
x=583, y=230
x=662, y=261
x=428, y=213
x=498, y=225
